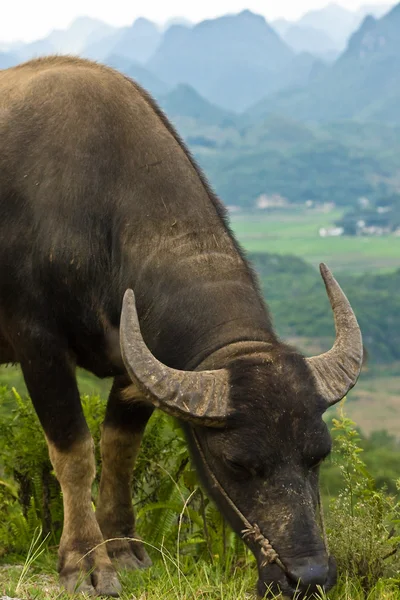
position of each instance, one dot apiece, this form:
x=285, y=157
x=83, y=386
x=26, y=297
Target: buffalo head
x=257, y=436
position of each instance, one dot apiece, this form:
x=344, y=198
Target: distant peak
x=143, y=21
x=248, y=14
x=394, y=12
x=368, y=21
x=144, y=24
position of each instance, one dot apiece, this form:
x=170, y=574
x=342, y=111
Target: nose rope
x=253, y=532
x=269, y=554
x=250, y=532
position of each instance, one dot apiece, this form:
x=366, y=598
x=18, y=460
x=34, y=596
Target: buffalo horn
x=201, y=397
x=337, y=371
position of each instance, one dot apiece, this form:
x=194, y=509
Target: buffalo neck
x=194, y=300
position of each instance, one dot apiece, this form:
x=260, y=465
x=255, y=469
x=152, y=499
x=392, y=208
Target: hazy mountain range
x=326, y=31
x=332, y=63
x=363, y=83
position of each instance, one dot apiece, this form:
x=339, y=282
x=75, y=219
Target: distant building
x=271, y=201
x=331, y=231
x=374, y=230
x=363, y=202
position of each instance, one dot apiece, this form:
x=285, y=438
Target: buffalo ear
x=337, y=371
x=201, y=397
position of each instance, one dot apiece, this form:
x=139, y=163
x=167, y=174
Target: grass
x=156, y=583
x=200, y=581
x=295, y=231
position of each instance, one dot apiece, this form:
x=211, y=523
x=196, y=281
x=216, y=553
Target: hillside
x=289, y=284
x=279, y=155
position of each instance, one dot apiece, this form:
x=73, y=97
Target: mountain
x=184, y=101
x=281, y=26
x=34, y=49
x=81, y=32
x=303, y=38
x=325, y=30
x=177, y=21
x=230, y=60
x=8, y=59
x=364, y=83
x=150, y=82
x=101, y=49
x=335, y=21
x=375, y=10
x=138, y=42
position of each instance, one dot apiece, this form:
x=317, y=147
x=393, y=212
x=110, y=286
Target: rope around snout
x=269, y=554
x=253, y=532
x=250, y=532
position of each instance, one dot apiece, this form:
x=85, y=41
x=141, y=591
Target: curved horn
x=200, y=397
x=337, y=371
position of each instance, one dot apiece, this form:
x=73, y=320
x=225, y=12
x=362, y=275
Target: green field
x=295, y=231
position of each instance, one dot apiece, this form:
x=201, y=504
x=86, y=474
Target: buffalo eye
x=238, y=468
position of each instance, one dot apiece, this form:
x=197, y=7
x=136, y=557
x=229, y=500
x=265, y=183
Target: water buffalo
x=115, y=256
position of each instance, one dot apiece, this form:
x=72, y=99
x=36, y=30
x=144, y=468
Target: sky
x=28, y=20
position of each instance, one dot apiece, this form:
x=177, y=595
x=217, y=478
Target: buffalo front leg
x=84, y=565
x=122, y=434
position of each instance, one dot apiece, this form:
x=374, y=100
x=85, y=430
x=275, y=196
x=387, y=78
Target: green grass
x=295, y=231
x=198, y=582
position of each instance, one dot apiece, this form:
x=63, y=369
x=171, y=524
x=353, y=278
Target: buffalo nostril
x=309, y=576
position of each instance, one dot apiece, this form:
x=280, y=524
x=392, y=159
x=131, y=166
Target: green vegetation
x=193, y=550
x=190, y=558
x=290, y=286
x=337, y=162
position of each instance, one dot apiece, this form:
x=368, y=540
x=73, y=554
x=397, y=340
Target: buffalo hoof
x=99, y=583
x=90, y=576
x=129, y=555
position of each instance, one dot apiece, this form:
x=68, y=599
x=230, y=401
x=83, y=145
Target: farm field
x=374, y=404
x=295, y=231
